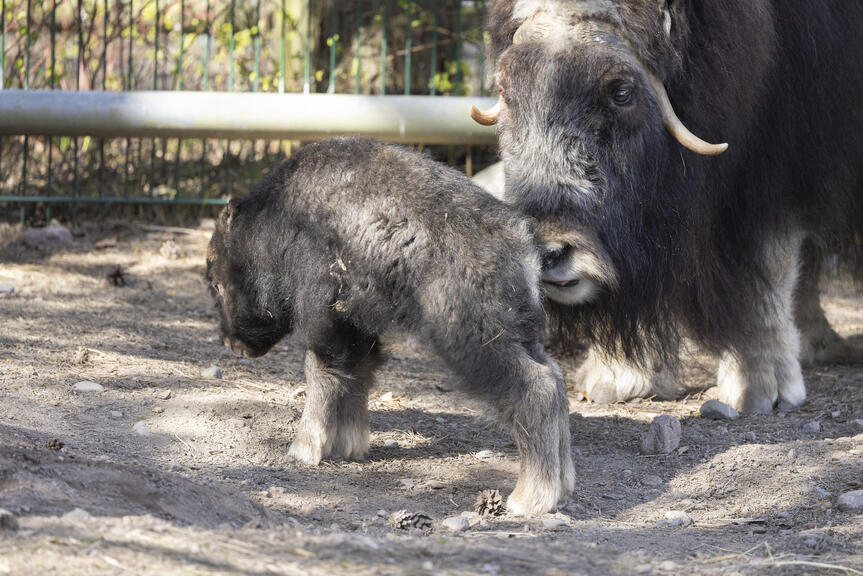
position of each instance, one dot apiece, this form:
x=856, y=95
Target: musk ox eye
x=622, y=95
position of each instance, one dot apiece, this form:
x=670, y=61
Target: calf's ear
x=227, y=215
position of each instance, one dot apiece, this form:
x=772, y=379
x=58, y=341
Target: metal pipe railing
x=413, y=119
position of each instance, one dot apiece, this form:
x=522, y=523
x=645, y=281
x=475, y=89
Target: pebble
x=858, y=425
x=87, y=386
x=116, y=414
x=663, y=436
x=652, y=481
x=382, y=513
x=77, y=514
x=386, y=397
x=851, y=501
x=390, y=443
x=49, y=236
x=676, y=519
x=836, y=414
x=6, y=289
x=821, y=493
x=751, y=436
x=792, y=454
x=718, y=411
x=484, y=454
x=140, y=428
x=211, y=372
x=163, y=395
x=157, y=410
x=434, y=484
x=456, y=524
x=552, y=523
x=8, y=521
x=812, y=427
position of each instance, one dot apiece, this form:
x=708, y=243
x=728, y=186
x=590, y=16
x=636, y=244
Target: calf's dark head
x=590, y=140
x=250, y=323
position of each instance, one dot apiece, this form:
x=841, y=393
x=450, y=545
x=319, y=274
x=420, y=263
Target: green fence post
x=128, y=86
x=385, y=31
x=358, y=21
x=409, y=47
x=104, y=87
x=434, y=63
x=78, y=60
x=26, y=87
x=204, y=180
x=331, y=40
x=52, y=80
x=177, y=175
x=152, y=184
x=459, y=40
x=307, y=61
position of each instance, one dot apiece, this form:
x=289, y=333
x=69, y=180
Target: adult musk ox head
x=596, y=152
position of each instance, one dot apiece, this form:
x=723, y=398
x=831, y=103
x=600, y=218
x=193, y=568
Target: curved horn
x=487, y=117
x=677, y=129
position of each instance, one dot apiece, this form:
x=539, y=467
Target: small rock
x=157, y=410
x=675, y=519
x=386, y=397
x=663, y=436
x=170, y=250
x=857, y=425
x=812, y=427
x=652, y=481
x=792, y=454
x=836, y=414
x=718, y=411
x=6, y=289
x=8, y=521
x=116, y=414
x=77, y=514
x=456, y=524
x=489, y=568
x=297, y=392
x=484, y=454
x=821, y=493
x=851, y=501
x=427, y=565
x=82, y=355
x=211, y=372
x=751, y=436
x=390, y=443
x=434, y=484
x=382, y=513
x=163, y=395
x=87, y=386
x=140, y=428
x=669, y=566
x=48, y=237
x=552, y=523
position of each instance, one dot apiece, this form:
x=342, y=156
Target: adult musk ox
x=350, y=238
x=655, y=232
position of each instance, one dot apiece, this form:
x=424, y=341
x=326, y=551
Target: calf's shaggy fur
x=350, y=238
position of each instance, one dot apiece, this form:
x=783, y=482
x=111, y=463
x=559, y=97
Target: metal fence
x=79, y=134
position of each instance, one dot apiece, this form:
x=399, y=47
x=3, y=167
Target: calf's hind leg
x=335, y=421
x=530, y=396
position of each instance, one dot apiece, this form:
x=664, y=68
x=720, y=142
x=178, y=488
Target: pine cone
x=54, y=445
x=489, y=503
x=404, y=520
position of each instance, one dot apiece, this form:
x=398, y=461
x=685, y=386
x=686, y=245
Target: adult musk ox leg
x=335, y=421
x=755, y=376
x=607, y=379
x=818, y=341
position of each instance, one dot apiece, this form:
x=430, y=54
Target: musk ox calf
x=351, y=238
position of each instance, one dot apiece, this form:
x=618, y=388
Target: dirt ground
x=168, y=472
